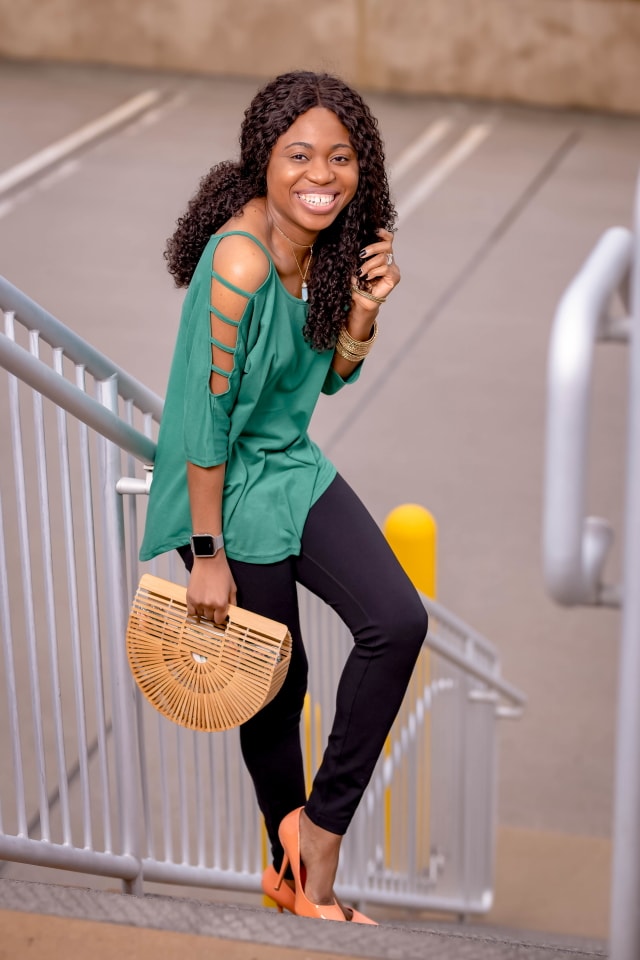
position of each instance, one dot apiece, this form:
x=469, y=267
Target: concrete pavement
x=71, y=922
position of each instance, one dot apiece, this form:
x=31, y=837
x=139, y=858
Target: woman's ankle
x=319, y=851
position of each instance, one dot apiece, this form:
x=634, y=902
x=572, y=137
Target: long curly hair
x=228, y=186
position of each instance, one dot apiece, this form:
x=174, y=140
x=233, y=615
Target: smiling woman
x=288, y=258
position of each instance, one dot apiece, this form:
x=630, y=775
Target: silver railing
x=576, y=546
x=101, y=783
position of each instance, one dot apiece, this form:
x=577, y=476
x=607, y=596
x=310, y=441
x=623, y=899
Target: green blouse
x=274, y=473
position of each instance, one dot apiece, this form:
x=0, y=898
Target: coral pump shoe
x=285, y=898
x=289, y=833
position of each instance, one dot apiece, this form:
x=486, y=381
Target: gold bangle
x=346, y=355
x=361, y=347
x=355, y=350
x=369, y=296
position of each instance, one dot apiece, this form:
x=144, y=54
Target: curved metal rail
x=576, y=546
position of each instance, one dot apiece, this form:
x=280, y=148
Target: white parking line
x=53, y=154
x=467, y=144
x=427, y=140
x=50, y=179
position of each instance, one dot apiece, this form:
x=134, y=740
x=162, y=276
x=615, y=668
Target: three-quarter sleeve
x=334, y=382
x=207, y=415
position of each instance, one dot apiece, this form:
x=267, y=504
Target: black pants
x=346, y=561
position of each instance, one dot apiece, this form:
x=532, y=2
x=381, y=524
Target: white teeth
x=318, y=199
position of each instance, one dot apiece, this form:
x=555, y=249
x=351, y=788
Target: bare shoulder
x=242, y=261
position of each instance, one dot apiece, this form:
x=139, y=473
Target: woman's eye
x=299, y=156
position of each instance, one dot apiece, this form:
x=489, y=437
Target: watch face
x=202, y=545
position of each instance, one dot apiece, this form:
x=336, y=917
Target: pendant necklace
x=303, y=276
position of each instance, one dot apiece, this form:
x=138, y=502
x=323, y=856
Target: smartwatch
x=206, y=545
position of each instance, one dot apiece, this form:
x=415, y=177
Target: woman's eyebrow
x=309, y=146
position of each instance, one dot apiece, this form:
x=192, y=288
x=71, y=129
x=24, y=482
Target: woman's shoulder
x=240, y=254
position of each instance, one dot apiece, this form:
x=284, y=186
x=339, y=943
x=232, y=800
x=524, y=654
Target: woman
x=288, y=256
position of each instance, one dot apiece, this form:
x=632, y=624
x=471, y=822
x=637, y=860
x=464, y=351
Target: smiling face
x=312, y=174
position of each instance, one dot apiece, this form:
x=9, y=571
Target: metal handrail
x=575, y=546
x=56, y=334
x=50, y=384
x=448, y=652
x=625, y=881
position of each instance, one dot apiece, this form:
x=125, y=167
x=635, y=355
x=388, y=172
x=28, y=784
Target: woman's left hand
x=379, y=267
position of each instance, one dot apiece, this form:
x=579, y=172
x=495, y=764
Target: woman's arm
x=211, y=585
x=241, y=263
x=382, y=277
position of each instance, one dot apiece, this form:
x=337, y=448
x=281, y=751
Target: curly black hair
x=228, y=186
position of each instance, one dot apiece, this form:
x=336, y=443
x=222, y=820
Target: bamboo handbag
x=200, y=675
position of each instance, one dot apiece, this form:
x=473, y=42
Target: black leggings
x=346, y=561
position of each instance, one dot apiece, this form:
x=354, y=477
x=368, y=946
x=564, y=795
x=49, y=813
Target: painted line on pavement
x=47, y=180
x=56, y=152
x=419, y=148
x=468, y=144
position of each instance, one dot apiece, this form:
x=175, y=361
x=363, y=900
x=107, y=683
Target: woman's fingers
x=383, y=246
x=211, y=589
x=379, y=261
x=219, y=615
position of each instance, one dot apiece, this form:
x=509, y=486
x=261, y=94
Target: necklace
x=303, y=276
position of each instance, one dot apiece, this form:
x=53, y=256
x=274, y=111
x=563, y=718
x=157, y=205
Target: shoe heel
x=283, y=868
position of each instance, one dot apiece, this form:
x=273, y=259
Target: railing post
x=625, y=906
x=123, y=708
x=412, y=533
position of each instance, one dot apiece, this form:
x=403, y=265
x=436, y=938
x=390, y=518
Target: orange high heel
x=285, y=899
x=289, y=834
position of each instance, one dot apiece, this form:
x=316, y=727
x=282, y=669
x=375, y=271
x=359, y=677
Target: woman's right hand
x=211, y=588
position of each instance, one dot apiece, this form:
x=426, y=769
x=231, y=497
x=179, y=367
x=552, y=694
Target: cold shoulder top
x=274, y=472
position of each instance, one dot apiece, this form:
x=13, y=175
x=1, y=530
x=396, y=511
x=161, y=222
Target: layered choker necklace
x=303, y=276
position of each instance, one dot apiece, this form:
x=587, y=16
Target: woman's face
x=312, y=173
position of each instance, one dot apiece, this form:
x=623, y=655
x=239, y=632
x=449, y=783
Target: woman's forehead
x=319, y=124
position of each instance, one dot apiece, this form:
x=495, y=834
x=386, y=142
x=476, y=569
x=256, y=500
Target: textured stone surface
x=266, y=927
x=572, y=53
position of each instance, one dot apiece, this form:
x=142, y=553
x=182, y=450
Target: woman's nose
x=320, y=171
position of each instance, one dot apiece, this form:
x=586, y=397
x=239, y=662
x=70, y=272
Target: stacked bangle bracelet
x=355, y=350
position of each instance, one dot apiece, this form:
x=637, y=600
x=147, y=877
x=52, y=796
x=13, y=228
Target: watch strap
x=206, y=544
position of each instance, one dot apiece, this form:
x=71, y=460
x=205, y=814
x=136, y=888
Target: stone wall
x=583, y=53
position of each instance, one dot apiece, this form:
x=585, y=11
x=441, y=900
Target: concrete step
x=58, y=922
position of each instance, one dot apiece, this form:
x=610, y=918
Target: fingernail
x=362, y=253
x=358, y=273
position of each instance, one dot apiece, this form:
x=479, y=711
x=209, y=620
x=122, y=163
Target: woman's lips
x=317, y=201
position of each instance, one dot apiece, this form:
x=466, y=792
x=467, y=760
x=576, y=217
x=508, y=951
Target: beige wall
x=583, y=53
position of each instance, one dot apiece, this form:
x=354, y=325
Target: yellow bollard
x=412, y=533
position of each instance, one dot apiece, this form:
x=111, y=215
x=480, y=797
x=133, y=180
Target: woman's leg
x=270, y=741
x=346, y=561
